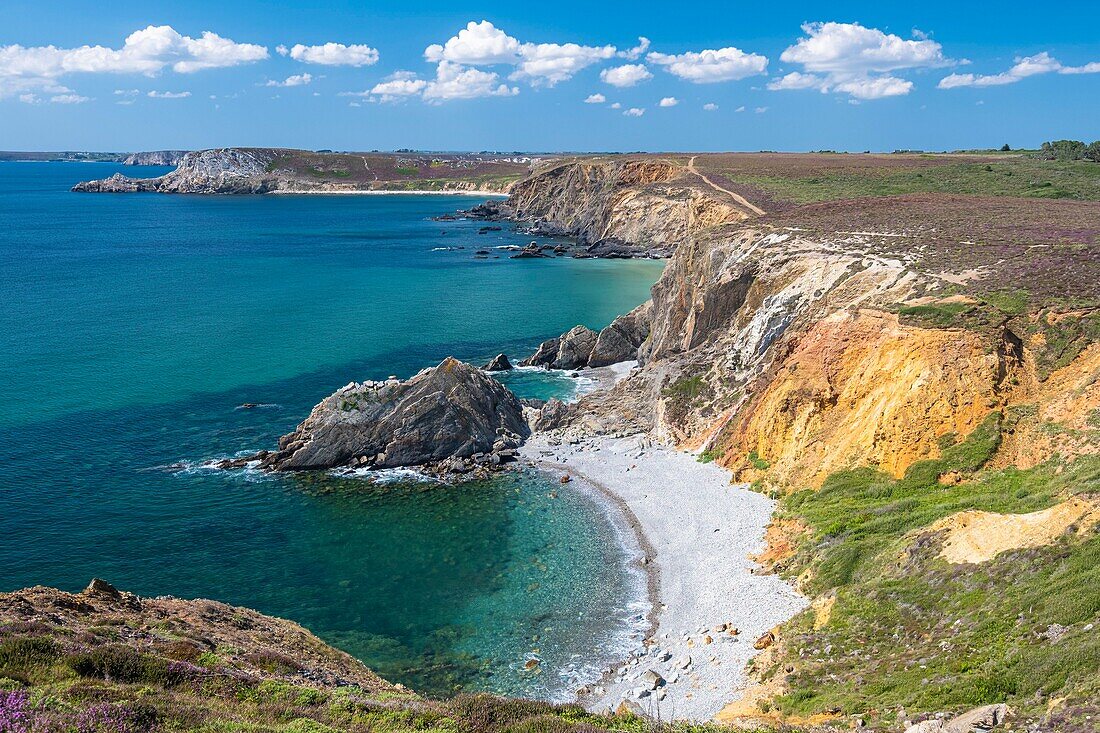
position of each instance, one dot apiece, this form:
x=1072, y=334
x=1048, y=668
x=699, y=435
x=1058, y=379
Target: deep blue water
x=131, y=328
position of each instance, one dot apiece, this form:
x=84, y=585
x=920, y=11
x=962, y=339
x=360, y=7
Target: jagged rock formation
x=155, y=157
x=619, y=208
x=225, y=170
x=451, y=411
x=582, y=347
x=621, y=340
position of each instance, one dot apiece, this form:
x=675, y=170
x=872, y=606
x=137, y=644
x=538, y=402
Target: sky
x=549, y=76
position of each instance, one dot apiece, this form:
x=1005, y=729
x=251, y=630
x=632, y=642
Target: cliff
x=892, y=369
x=272, y=170
x=155, y=157
x=647, y=205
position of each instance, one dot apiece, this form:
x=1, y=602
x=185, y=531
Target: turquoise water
x=132, y=327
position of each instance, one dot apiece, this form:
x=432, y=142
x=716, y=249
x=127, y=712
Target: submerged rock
x=448, y=412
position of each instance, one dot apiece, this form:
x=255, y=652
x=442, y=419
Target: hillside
x=888, y=365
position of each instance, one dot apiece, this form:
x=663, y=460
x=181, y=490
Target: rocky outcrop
x=224, y=170
x=574, y=348
x=249, y=645
x=621, y=340
x=631, y=208
x=499, y=363
x=451, y=411
x=156, y=157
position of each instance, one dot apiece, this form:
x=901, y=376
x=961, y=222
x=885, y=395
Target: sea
x=134, y=327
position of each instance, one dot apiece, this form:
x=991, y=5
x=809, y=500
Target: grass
x=910, y=631
x=1020, y=177
x=54, y=680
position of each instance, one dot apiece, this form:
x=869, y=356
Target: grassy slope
x=398, y=170
x=910, y=631
x=54, y=680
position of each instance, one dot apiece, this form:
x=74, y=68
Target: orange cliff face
x=863, y=389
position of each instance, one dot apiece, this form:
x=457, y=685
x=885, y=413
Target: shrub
x=21, y=654
x=120, y=664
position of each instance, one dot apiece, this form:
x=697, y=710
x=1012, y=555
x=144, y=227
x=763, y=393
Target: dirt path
x=741, y=200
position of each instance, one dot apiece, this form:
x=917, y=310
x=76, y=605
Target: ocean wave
x=385, y=475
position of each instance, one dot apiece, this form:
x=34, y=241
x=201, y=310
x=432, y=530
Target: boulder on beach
x=449, y=411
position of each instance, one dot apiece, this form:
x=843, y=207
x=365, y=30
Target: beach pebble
x=683, y=662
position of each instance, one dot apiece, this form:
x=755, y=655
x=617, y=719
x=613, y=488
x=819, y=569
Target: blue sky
x=387, y=75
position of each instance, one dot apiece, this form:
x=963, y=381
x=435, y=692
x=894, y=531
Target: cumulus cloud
x=332, y=54
x=634, y=112
x=668, y=102
x=626, y=75
x=616, y=105
x=760, y=110
x=849, y=58
x=29, y=98
x=483, y=44
x=297, y=80
x=399, y=86
x=454, y=81
x=595, y=99
x=1025, y=66
x=709, y=66
x=169, y=95
x=149, y=51
x=710, y=106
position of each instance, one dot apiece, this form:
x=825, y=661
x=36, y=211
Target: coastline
x=684, y=514
x=381, y=192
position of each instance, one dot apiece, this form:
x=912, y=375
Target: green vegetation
x=1070, y=150
x=757, y=462
x=909, y=630
x=709, y=456
x=1002, y=176
x=683, y=395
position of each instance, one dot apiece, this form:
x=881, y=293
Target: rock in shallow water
x=450, y=411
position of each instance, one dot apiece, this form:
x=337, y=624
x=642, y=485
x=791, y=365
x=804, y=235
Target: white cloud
x=849, y=58
x=710, y=106
x=550, y=63
x=797, y=80
x=638, y=51
x=616, y=105
x=169, y=95
x=626, y=75
x=668, y=102
x=147, y=51
x=740, y=109
x=595, y=99
x=69, y=99
x=127, y=92
x=1040, y=63
x=400, y=86
x=760, y=110
x=297, y=80
x=333, y=54
x=709, y=66
x=29, y=98
x=454, y=81
x=282, y=50
x=634, y=112
x=476, y=44
x=483, y=44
